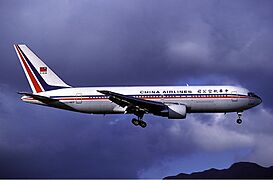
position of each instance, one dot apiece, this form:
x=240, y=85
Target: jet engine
x=175, y=111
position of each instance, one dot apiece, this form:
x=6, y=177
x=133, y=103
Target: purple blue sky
x=105, y=43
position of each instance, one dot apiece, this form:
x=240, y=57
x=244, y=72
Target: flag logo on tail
x=43, y=70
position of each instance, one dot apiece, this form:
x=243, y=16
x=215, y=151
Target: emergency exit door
x=78, y=98
x=234, y=96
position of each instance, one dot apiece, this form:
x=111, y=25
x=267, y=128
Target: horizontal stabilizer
x=43, y=99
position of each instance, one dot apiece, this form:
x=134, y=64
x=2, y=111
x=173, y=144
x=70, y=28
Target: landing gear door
x=234, y=96
x=78, y=98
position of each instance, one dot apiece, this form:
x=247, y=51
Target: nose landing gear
x=239, y=120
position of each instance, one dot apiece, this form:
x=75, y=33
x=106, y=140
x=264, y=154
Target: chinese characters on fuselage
x=199, y=91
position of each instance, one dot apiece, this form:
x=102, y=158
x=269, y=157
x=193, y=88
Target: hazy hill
x=245, y=170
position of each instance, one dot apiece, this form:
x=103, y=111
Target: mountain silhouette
x=240, y=170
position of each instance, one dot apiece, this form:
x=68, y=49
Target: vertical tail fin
x=39, y=75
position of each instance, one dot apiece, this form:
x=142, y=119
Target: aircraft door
x=162, y=97
x=234, y=98
x=78, y=98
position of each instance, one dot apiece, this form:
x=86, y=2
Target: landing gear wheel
x=135, y=122
x=143, y=124
x=239, y=121
x=139, y=121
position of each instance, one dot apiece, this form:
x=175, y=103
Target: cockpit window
x=251, y=94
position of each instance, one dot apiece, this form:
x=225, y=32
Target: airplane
x=173, y=102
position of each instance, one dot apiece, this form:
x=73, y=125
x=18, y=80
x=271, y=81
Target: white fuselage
x=195, y=98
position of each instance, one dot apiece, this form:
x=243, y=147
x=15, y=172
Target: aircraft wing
x=134, y=104
x=43, y=99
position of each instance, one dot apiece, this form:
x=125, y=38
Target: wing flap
x=134, y=103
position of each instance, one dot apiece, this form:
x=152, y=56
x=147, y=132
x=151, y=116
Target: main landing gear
x=139, y=122
x=239, y=120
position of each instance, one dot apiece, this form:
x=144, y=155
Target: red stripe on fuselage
x=30, y=74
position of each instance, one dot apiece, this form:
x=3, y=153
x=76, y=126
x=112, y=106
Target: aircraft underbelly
x=95, y=107
x=217, y=105
x=212, y=105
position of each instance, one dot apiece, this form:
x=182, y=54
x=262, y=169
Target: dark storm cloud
x=77, y=145
x=100, y=43
x=136, y=33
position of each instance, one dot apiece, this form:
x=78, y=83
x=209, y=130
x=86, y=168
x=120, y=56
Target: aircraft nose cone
x=259, y=101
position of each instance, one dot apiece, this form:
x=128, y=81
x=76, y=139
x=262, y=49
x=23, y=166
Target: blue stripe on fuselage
x=149, y=95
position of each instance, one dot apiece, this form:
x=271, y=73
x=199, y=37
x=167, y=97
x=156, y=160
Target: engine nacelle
x=177, y=111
